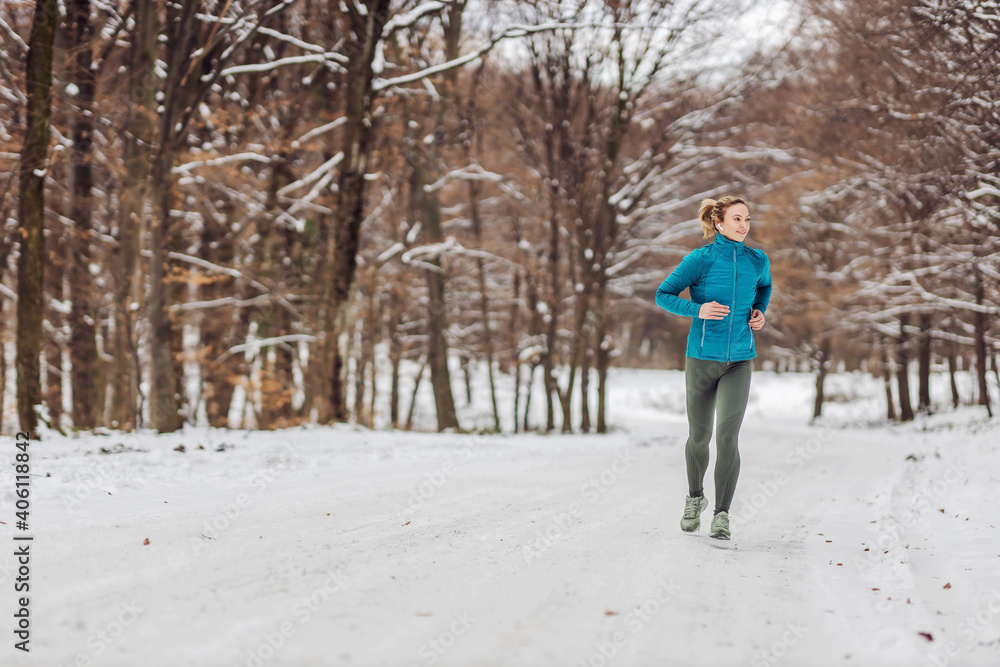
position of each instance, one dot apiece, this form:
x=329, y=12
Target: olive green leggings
x=715, y=388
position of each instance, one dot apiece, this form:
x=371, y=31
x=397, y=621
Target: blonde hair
x=714, y=210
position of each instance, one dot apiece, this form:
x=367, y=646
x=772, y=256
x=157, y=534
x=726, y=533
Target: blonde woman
x=730, y=288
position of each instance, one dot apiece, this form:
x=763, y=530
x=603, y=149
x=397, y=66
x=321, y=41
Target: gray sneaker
x=693, y=507
x=720, y=526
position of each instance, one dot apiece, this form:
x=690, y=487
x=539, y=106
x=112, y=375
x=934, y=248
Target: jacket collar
x=724, y=243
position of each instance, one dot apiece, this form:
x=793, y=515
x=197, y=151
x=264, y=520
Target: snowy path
x=348, y=547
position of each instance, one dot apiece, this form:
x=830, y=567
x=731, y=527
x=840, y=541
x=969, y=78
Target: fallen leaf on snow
x=948, y=585
x=926, y=635
x=145, y=542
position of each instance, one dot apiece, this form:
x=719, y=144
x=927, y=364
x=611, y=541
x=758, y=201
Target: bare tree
x=83, y=310
x=31, y=212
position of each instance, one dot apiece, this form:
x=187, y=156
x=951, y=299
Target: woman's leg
x=700, y=380
x=733, y=393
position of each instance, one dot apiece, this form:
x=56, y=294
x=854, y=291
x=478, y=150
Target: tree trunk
x=993, y=367
x=395, y=357
x=535, y=330
x=277, y=246
x=219, y=332
x=515, y=358
x=222, y=376
x=585, y=391
x=484, y=304
x=365, y=32
x=138, y=137
x=426, y=170
x=902, y=371
x=55, y=335
x=980, y=325
x=364, y=369
x=526, y=426
x=427, y=206
x=6, y=245
x=890, y=405
x=517, y=396
x=166, y=372
x=552, y=314
x=276, y=374
x=951, y=375
x=164, y=399
x=83, y=309
x=466, y=361
x=31, y=213
x=824, y=358
x=603, y=352
x=3, y=360
x=924, y=366
x=594, y=268
x=371, y=341
x=57, y=256
x=583, y=353
x=360, y=371
x=413, y=396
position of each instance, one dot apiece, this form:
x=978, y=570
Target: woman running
x=730, y=289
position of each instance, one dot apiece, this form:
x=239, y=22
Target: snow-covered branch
x=264, y=342
x=225, y=159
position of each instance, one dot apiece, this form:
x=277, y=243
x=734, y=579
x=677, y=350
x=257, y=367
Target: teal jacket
x=732, y=274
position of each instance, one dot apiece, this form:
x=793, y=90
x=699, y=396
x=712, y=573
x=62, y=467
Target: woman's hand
x=713, y=310
x=756, y=320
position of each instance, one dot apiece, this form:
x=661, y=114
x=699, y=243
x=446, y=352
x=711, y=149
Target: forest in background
x=209, y=201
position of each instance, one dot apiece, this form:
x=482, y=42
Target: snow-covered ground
x=854, y=542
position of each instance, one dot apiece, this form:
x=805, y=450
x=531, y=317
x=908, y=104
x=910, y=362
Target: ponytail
x=705, y=215
x=713, y=211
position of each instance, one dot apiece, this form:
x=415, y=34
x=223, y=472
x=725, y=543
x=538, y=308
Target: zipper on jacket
x=732, y=312
x=703, y=335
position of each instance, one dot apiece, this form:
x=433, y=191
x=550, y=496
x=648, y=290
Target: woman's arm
x=763, y=287
x=682, y=277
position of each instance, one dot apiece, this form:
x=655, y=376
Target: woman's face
x=736, y=224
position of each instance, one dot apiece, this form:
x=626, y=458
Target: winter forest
x=235, y=213
x=331, y=333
